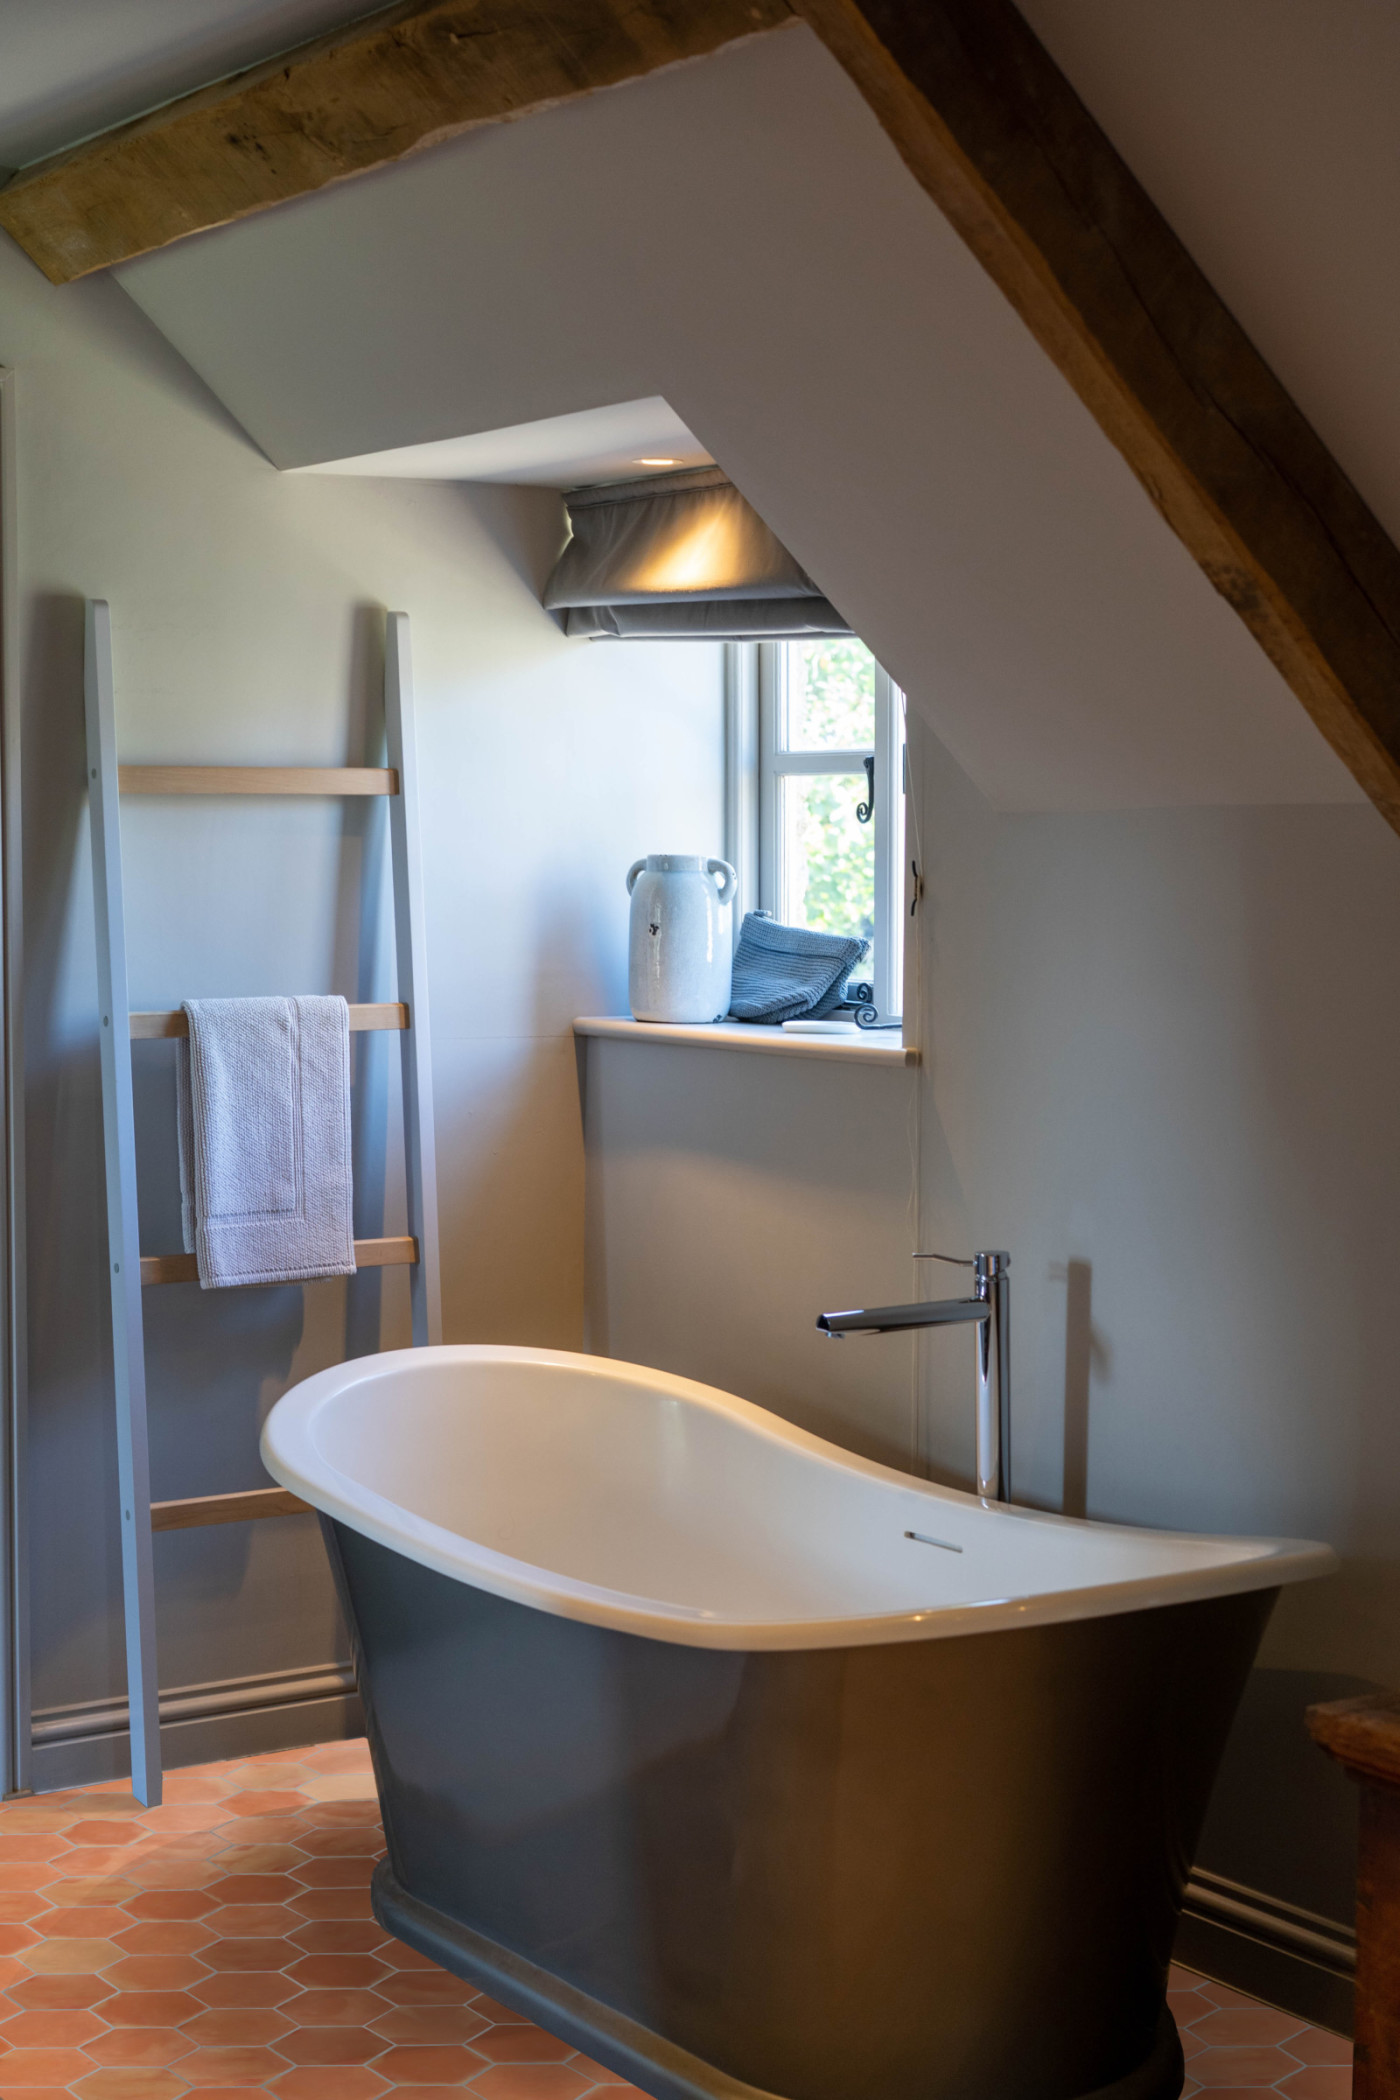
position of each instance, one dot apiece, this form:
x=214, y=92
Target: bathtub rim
x=290, y=1455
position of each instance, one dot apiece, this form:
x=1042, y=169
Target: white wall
x=247, y=618
x=739, y=236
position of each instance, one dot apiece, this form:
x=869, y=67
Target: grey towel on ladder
x=788, y=973
x=263, y=1090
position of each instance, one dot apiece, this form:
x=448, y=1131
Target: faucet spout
x=990, y=1312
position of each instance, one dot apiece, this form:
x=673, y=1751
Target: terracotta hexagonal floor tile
x=122, y=2082
x=311, y=2082
x=1314, y=2045
x=60, y=2067
x=149, y=2008
x=1245, y=2026
x=430, y=2023
x=202, y=1783
x=521, y=2045
x=23, y=1906
x=587, y=2068
x=244, y=1954
x=339, y=2008
x=409, y=1958
x=246, y=1987
x=232, y=2067
x=271, y=1777
x=69, y=1957
x=332, y=1873
x=1319, y=2082
x=263, y=1803
x=1221, y=1993
x=169, y=1905
x=344, y=1813
x=168, y=1873
x=15, y=1846
x=360, y=1840
x=492, y=2009
x=263, y=1830
x=337, y=1972
x=85, y=1921
x=430, y=2063
x=528, y=2082
x=238, y=2027
x=93, y=1867
x=342, y=1936
x=333, y=1903
x=164, y=1936
x=155, y=1972
x=92, y=1831
x=1227, y=2067
x=80, y=1987
x=256, y=1888
x=151, y=2047
x=424, y=1987
x=331, y=2045
x=14, y=1939
x=25, y=1873
x=60, y=2029
x=243, y=1921
x=258, y=1859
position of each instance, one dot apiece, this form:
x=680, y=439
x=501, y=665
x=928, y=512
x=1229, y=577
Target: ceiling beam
x=402, y=78
x=997, y=136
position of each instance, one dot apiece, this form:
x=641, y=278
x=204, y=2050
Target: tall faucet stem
x=989, y=1309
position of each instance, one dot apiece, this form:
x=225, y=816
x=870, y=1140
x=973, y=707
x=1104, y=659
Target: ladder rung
x=225, y=1509
x=395, y=1253
x=258, y=780
x=148, y=1027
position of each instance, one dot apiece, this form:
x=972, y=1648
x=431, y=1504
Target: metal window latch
x=866, y=810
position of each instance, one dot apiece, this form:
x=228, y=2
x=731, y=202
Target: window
x=816, y=794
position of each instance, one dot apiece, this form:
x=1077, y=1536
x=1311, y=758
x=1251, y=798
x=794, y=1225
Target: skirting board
x=1294, y=1959
x=199, y=1724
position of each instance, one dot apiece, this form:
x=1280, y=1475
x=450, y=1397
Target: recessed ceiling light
x=656, y=462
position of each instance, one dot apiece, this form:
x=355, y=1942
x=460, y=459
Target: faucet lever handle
x=959, y=1261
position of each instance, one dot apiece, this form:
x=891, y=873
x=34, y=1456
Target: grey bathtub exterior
x=939, y=1870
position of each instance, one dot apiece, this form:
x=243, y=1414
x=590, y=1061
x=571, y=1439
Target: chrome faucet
x=990, y=1308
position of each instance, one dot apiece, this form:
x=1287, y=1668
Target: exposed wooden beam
x=996, y=135
x=357, y=99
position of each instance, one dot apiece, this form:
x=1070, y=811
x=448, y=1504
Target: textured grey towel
x=263, y=1092
x=789, y=973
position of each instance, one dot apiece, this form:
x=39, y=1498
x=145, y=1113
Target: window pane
x=828, y=858
x=830, y=695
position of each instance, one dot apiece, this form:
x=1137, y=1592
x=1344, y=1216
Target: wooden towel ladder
x=130, y=1270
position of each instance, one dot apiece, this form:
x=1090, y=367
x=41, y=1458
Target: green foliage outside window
x=831, y=856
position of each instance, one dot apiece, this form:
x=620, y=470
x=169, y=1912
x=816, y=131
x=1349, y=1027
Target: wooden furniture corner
x=1364, y=1737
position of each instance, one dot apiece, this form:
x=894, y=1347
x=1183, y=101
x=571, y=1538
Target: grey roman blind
x=680, y=555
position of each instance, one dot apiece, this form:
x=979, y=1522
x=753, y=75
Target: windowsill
x=750, y=1036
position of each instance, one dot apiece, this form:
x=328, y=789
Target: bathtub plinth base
x=635, y=2052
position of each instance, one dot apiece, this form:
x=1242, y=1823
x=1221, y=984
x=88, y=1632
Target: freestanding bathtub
x=753, y=1768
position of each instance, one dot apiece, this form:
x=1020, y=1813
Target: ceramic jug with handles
x=681, y=953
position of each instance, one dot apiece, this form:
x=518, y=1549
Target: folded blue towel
x=789, y=973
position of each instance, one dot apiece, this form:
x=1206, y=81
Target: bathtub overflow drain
x=942, y=1544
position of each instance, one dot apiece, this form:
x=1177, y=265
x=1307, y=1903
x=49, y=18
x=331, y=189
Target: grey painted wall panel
x=247, y=617
x=731, y=1199
x=1160, y=1050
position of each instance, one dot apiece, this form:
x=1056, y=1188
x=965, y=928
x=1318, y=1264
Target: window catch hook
x=866, y=810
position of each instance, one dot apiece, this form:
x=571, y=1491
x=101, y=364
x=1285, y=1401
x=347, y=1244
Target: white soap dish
x=820, y=1028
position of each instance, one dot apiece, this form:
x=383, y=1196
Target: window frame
x=756, y=764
